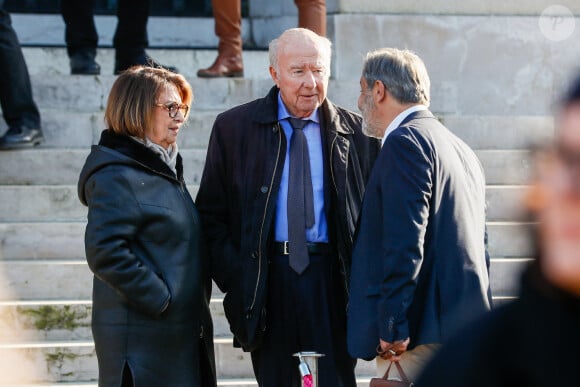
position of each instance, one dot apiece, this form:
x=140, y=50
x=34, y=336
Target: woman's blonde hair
x=133, y=97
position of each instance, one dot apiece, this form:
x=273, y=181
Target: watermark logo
x=557, y=23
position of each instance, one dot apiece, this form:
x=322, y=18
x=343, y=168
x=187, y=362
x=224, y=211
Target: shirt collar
x=283, y=112
x=400, y=118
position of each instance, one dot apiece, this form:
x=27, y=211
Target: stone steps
x=81, y=129
x=64, y=240
x=498, y=110
x=60, y=203
x=52, y=280
x=74, y=361
x=361, y=382
x=45, y=166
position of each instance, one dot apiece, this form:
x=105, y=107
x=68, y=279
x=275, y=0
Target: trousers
x=81, y=33
x=18, y=106
x=228, y=22
x=305, y=312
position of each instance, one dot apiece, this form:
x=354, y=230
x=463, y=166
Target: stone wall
x=480, y=64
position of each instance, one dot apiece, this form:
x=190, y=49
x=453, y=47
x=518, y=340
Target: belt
x=283, y=248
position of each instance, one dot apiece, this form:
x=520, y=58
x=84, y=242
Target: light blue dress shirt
x=319, y=231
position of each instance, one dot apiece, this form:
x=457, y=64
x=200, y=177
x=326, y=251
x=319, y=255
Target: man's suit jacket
x=420, y=267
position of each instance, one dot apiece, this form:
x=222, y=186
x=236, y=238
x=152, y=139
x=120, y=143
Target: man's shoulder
x=240, y=111
x=262, y=109
x=342, y=112
x=341, y=119
x=422, y=127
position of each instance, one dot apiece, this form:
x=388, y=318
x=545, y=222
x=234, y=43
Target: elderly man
x=279, y=202
x=419, y=264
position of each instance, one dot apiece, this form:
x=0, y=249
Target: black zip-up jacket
x=238, y=193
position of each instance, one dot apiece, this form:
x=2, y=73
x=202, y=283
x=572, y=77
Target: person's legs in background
x=228, y=28
x=81, y=36
x=312, y=15
x=18, y=107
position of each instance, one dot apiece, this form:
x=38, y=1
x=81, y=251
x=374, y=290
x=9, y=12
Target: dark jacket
x=419, y=265
x=238, y=193
x=530, y=342
x=151, y=283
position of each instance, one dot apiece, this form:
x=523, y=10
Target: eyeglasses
x=173, y=108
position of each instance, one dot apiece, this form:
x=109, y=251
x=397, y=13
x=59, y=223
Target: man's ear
x=379, y=92
x=274, y=75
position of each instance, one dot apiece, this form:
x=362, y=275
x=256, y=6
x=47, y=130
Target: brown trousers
x=228, y=22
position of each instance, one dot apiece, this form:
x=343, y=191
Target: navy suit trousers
x=305, y=312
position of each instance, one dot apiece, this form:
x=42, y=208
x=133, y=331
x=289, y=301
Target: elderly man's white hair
x=296, y=34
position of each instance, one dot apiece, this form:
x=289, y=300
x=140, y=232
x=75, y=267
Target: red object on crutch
x=305, y=373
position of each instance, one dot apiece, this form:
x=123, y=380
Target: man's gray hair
x=401, y=71
x=324, y=45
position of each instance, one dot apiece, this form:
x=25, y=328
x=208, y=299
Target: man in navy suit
x=420, y=268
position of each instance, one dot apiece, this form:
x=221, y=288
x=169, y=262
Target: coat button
x=264, y=189
x=254, y=254
x=274, y=129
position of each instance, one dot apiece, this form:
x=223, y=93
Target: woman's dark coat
x=151, y=285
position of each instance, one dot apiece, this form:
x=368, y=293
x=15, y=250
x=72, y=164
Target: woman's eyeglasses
x=173, y=108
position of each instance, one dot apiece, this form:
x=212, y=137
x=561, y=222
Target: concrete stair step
x=50, y=280
x=55, y=88
x=506, y=167
x=510, y=239
x=66, y=320
x=185, y=32
x=76, y=361
x=45, y=166
x=237, y=382
x=64, y=240
x=50, y=203
x=62, y=319
x=89, y=93
x=72, y=280
x=488, y=132
x=72, y=129
x=67, y=129
x=52, y=61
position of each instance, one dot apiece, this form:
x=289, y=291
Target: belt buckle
x=286, y=250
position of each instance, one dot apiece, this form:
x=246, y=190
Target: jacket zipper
x=336, y=189
x=279, y=129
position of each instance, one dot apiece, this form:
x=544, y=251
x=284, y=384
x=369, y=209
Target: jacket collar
x=266, y=113
x=416, y=116
x=139, y=153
